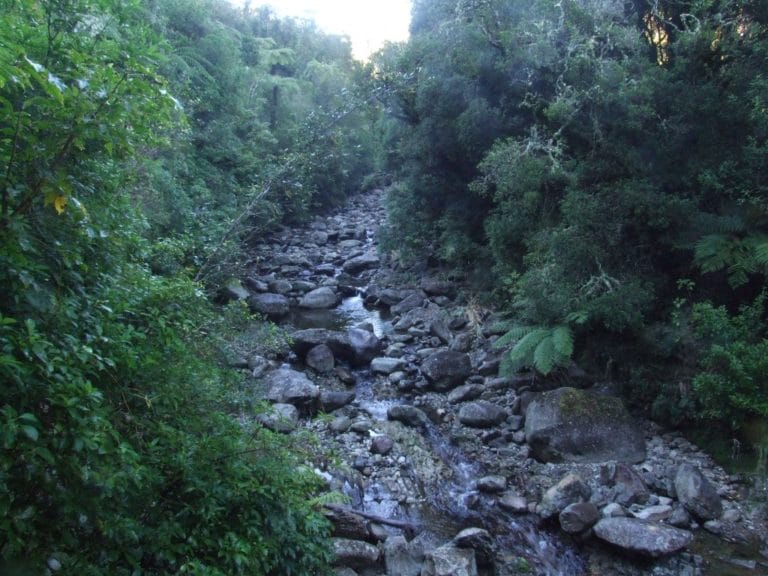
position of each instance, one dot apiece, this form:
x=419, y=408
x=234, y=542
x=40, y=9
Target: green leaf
x=30, y=432
x=544, y=357
x=562, y=338
x=514, y=333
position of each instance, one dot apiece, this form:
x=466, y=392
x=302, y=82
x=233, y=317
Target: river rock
x=408, y=415
x=381, y=445
x=331, y=400
x=233, y=290
x=356, y=346
x=269, y=304
x=492, y=484
x=280, y=418
x=573, y=425
x=578, y=517
x=286, y=386
x=321, y=358
x=359, y=263
x=569, y=490
x=513, y=502
x=319, y=298
x=354, y=553
x=387, y=365
x=280, y=286
x=627, y=486
x=450, y=561
x=656, y=513
x=403, y=558
x=697, y=494
x=642, y=537
x=478, y=540
x=464, y=393
x=413, y=300
x=446, y=369
x=481, y=415
x=435, y=287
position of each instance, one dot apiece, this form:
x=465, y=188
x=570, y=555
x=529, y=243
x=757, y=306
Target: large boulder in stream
x=319, y=298
x=356, y=346
x=642, y=537
x=450, y=561
x=269, y=304
x=359, y=263
x=286, y=386
x=697, y=494
x=446, y=369
x=571, y=425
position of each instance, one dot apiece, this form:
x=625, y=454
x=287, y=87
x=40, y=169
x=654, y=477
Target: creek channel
x=439, y=510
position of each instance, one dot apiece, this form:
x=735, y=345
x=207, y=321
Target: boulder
x=450, y=561
x=464, y=393
x=280, y=418
x=513, y=502
x=331, y=400
x=381, y=445
x=403, y=558
x=321, y=358
x=478, y=540
x=492, y=484
x=359, y=263
x=573, y=425
x=413, y=300
x=269, y=304
x=319, y=298
x=408, y=415
x=233, y=290
x=642, y=537
x=387, y=365
x=447, y=369
x=435, y=287
x=354, y=553
x=569, y=490
x=356, y=346
x=697, y=494
x=481, y=414
x=286, y=386
x=627, y=486
x=578, y=517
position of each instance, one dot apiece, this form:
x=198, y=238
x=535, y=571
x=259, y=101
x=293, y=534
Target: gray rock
x=382, y=445
x=464, y=393
x=340, y=424
x=331, y=400
x=513, y=502
x=356, y=346
x=408, y=415
x=481, y=415
x=478, y=540
x=575, y=426
x=302, y=286
x=413, y=300
x=569, y=490
x=450, y=561
x=321, y=358
x=627, y=485
x=280, y=418
x=269, y=304
x=446, y=369
x=697, y=494
x=387, y=365
x=579, y=517
x=646, y=538
x=439, y=328
x=403, y=558
x=359, y=263
x=286, y=386
x=435, y=287
x=654, y=513
x=492, y=484
x=354, y=553
x=319, y=298
x=280, y=286
x=614, y=510
x=258, y=365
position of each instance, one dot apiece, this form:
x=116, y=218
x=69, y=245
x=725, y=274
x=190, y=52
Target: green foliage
x=731, y=384
x=542, y=348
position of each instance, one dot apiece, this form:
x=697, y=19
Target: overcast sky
x=367, y=22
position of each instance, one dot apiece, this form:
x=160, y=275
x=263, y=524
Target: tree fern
x=543, y=348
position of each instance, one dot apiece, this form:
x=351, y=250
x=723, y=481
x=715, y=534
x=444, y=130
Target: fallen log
x=349, y=520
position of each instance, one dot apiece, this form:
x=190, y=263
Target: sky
x=368, y=23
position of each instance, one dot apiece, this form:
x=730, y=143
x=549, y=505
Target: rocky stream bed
x=450, y=469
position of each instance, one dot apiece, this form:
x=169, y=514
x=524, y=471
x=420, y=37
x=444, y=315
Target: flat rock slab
x=481, y=415
x=270, y=304
x=642, y=537
x=387, y=365
x=359, y=263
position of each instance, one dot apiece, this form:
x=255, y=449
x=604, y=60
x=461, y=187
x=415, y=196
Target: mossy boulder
x=572, y=425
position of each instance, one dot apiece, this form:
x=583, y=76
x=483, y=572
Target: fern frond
x=562, y=338
x=545, y=356
x=523, y=350
x=761, y=251
x=332, y=497
x=514, y=333
x=713, y=252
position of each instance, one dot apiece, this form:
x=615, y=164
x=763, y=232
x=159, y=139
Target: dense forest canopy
x=606, y=160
